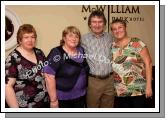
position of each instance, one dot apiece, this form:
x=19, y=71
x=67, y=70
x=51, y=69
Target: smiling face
x=97, y=25
x=71, y=37
x=71, y=40
x=28, y=41
x=118, y=30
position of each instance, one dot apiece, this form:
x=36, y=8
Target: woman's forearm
x=10, y=97
x=51, y=87
x=149, y=74
x=148, y=67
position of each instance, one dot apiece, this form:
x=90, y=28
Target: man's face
x=97, y=25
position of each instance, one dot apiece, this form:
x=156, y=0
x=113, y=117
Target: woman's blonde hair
x=70, y=29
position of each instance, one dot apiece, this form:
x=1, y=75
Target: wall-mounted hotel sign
x=113, y=10
x=130, y=13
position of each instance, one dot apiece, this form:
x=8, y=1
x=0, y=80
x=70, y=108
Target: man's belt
x=101, y=76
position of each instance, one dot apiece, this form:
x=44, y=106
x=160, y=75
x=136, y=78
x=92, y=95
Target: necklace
x=122, y=45
x=26, y=52
x=29, y=55
x=70, y=52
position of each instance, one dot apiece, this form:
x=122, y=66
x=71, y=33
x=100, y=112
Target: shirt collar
x=94, y=35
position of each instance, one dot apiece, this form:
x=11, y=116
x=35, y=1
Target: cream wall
x=49, y=22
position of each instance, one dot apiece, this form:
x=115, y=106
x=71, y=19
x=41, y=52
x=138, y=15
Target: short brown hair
x=97, y=13
x=25, y=28
x=119, y=21
x=69, y=29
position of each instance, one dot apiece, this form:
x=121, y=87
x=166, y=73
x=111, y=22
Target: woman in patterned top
x=132, y=66
x=25, y=85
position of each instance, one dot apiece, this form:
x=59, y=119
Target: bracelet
x=53, y=100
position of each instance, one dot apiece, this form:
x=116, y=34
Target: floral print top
x=29, y=87
x=129, y=69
